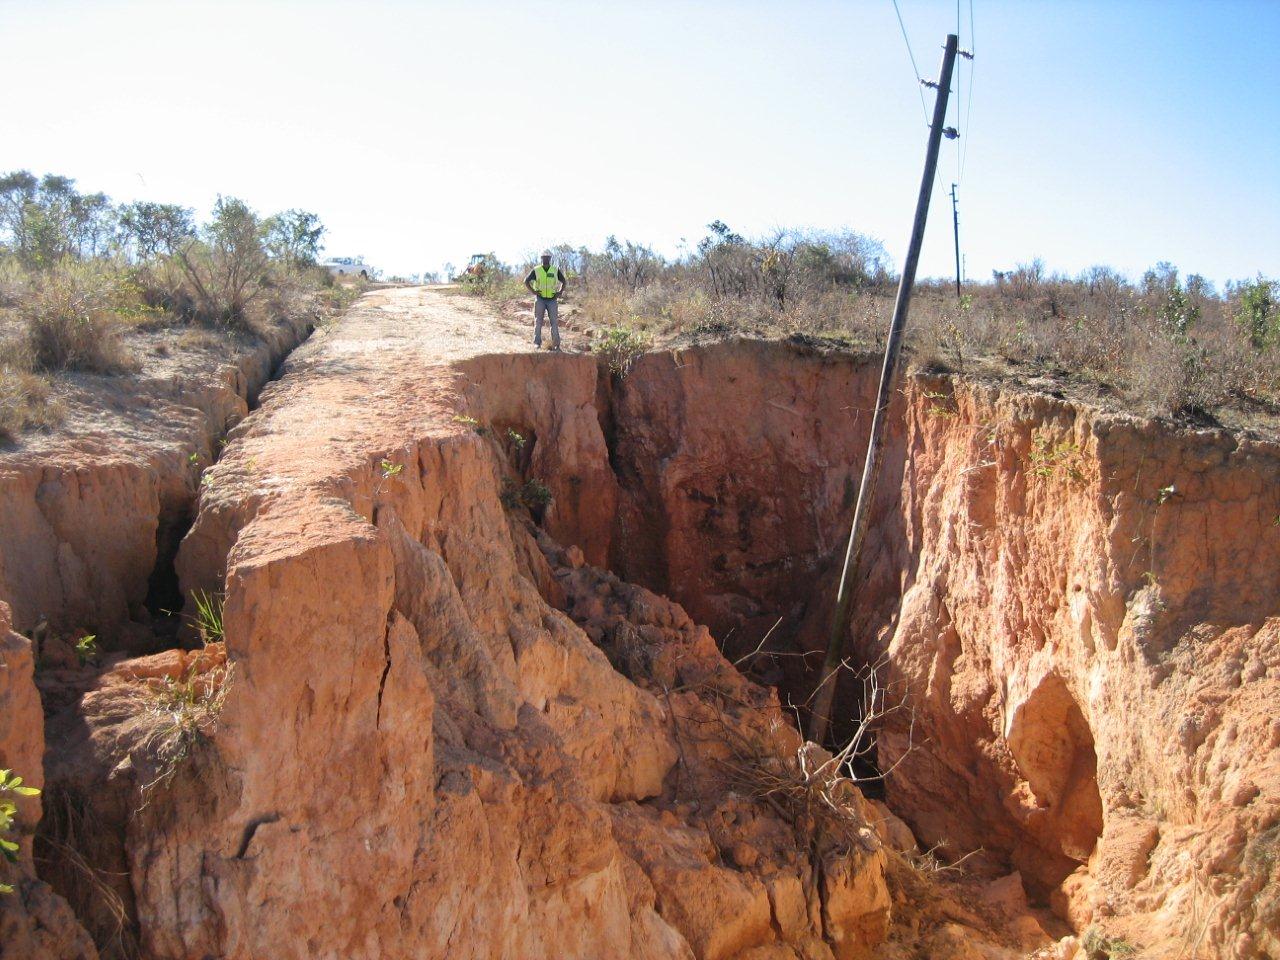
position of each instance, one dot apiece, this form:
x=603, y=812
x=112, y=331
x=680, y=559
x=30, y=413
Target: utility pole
x=825, y=694
x=955, y=224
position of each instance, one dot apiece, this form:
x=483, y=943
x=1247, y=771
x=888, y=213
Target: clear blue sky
x=1101, y=132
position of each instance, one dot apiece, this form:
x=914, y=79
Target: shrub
x=1258, y=310
x=1168, y=344
x=621, y=347
x=223, y=272
x=533, y=495
x=75, y=318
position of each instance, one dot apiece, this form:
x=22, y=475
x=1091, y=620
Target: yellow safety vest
x=544, y=280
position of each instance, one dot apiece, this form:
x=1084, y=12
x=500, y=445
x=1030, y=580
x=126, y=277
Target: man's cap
x=546, y=253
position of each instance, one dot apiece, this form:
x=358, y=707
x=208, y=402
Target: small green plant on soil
x=941, y=405
x=1098, y=946
x=10, y=785
x=194, y=459
x=1048, y=458
x=621, y=347
x=87, y=649
x=533, y=494
x=515, y=438
x=387, y=470
x=208, y=616
x=473, y=423
x=536, y=493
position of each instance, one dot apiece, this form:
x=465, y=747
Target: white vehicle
x=348, y=266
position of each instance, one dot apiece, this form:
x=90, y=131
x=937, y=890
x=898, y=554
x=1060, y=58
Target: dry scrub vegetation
x=1164, y=344
x=79, y=275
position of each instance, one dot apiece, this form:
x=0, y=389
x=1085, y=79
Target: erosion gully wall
x=421, y=755
x=90, y=521
x=1079, y=609
x=85, y=521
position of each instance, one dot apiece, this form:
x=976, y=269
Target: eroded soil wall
x=451, y=734
x=421, y=752
x=88, y=514
x=1080, y=609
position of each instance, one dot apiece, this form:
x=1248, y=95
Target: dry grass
x=25, y=403
x=71, y=317
x=82, y=858
x=184, y=713
x=1162, y=345
x=80, y=316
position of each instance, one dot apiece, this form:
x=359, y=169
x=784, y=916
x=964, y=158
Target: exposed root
x=70, y=848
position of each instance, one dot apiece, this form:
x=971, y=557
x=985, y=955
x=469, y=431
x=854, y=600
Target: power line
x=914, y=69
x=968, y=109
x=959, y=83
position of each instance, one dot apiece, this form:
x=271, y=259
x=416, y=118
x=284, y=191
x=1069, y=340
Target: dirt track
x=437, y=324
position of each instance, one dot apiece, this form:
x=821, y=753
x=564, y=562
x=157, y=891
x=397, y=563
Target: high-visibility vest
x=544, y=280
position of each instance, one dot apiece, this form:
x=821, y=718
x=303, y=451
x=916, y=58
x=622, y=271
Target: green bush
x=533, y=495
x=621, y=347
x=1258, y=311
x=224, y=272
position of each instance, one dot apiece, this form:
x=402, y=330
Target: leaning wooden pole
x=825, y=695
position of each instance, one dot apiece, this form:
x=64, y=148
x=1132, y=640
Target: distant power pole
x=955, y=224
x=825, y=693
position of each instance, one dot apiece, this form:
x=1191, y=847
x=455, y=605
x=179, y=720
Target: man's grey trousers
x=549, y=307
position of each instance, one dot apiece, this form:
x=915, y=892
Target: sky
x=1123, y=133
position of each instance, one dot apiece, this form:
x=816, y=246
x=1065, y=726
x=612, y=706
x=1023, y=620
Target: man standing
x=546, y=283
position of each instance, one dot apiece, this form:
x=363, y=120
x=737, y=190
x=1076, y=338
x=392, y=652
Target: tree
x=1176, y=308
x=293, y=237
x=93, y=224
x=47, y=219
x=1259, y=310
x=227, y=264
x=17, y=196
x=150, y=230
x=631, y=263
